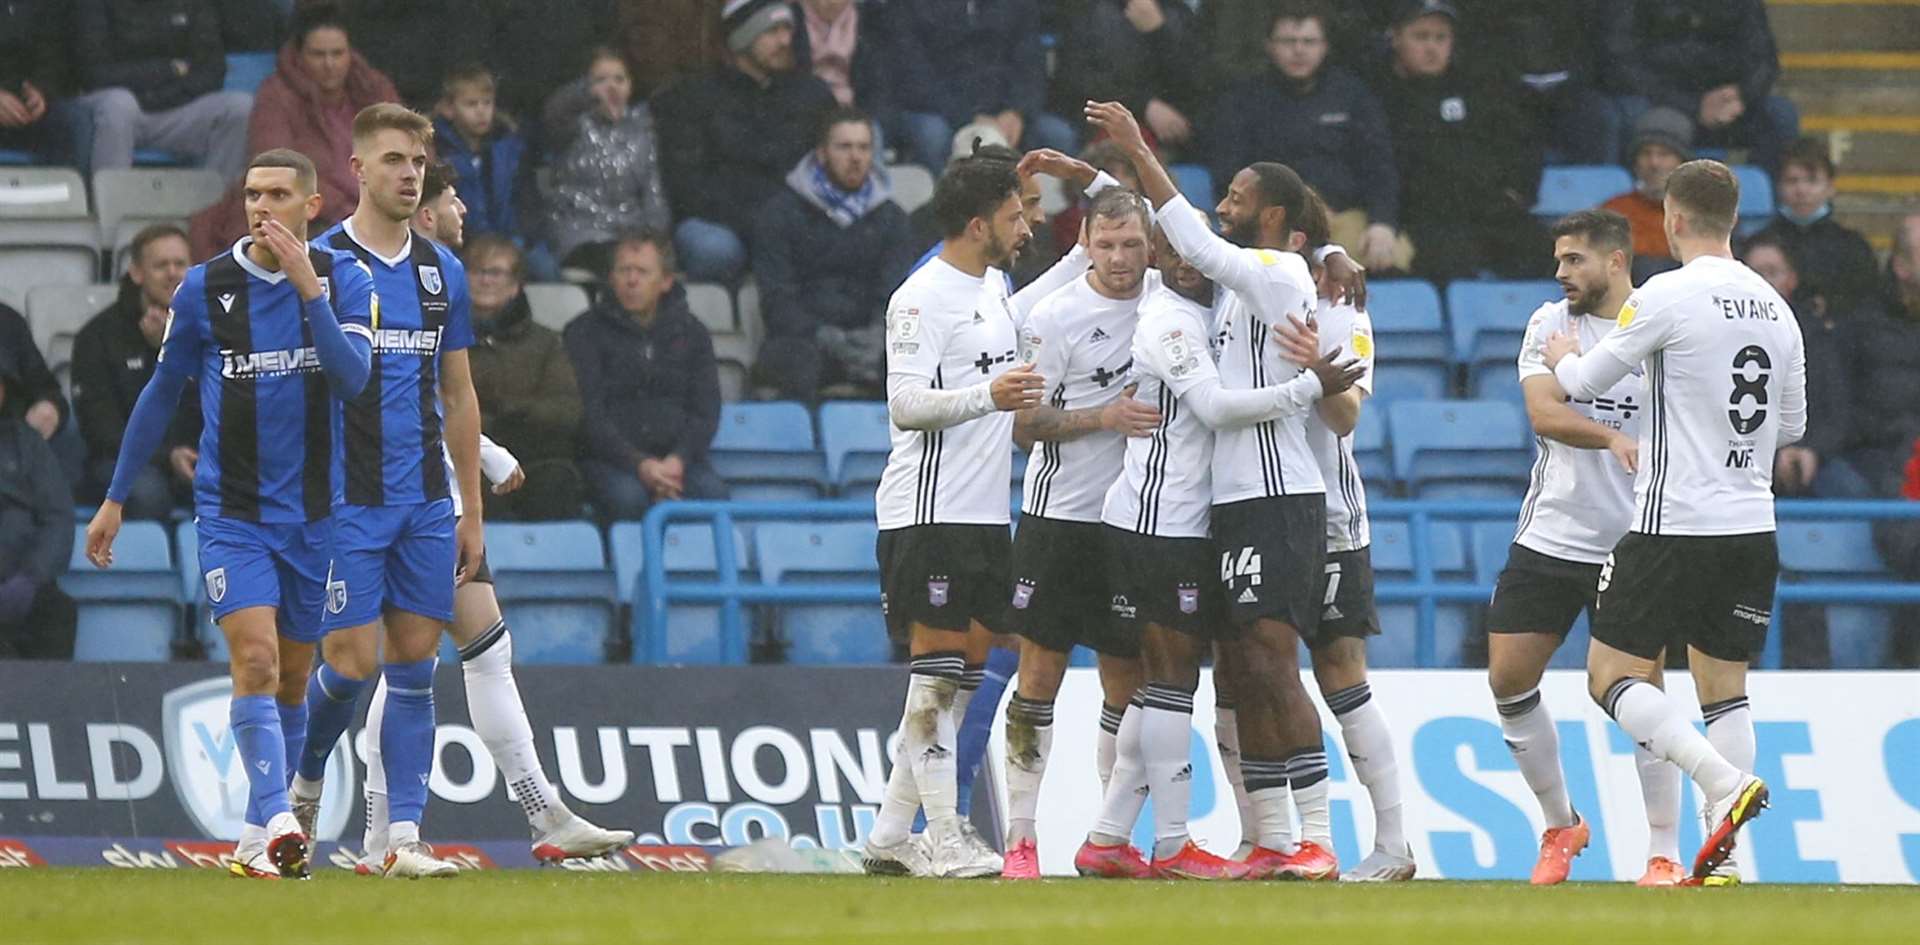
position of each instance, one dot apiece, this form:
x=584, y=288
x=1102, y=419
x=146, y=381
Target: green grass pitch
x=551, y=906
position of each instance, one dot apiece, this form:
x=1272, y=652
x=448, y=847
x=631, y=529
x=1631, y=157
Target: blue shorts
x=391, y=556
x=267, y=564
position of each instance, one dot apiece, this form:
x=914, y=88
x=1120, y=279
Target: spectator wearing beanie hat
x=1662, y=141
x=728, y=138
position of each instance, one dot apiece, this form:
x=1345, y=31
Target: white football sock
x=373, y=843
x=1307, y=781
x=1165, y=726
x=500, y=719
x=1730, y=730
x=1651, y=719
x=1104, y=743
x=1127, y=789
x=933, y=686
x=895, y=820
x=1226, y=735
x=1660, y=791
x=1271, y=800
x=1535, y=745
x=1029, y=737
x=1370, y=747
x=402, y=832
x=376, y=713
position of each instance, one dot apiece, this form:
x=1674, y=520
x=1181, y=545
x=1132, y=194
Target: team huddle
x=1188, y=400
x=341, y=445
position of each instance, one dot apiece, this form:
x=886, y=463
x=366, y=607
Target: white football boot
x=415, y=860
x=577, y=839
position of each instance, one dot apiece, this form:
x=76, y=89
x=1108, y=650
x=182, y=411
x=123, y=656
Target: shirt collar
x=254, y=269
x=392, y=262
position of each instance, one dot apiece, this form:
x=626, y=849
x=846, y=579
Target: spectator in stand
x=113, y=359
x=1546, y=53
x=648, y=384
x=1712, y=60
x=253, y=25
x=728, y=138
x=843, y=43
x=1835, y=262
x=485, y=149
x=1322, y=121
x=307, y=104
x=417, y=43
x=36, y=536
x=606, y=170
x=1469, y=155
x=1140, y=53
x=33, y=80
x=1813, y=466
x=35, y=395
x=958, y=62
x=1662, y=141
x=1884, y=357
x=828, y=252
x=151, y=71
x=670, y=40
x=529, y=401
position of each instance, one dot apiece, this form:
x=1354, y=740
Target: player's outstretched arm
x=463, y=443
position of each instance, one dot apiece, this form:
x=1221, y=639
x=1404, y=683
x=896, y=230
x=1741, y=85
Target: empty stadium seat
x=766, y=451
x=1476, y=449
x=692, y=631
x=912, y=186
x=1196, y=184
x=130, y=612
x=1393, y=556
x=1413, y=359
x=1370, y=451
x=1569, y=187
x=554, y=304
x=712, y=305
x=1858, y=636
x=1489, y=320
x=733, y=354
x=857, y=436
x=1756, y=198
x=130, y=199
x=825, y=552
x=555, y=589
x=47, y=232
x=57, y=313
x=245, y=71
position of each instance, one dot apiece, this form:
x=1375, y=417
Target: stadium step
x=1819, y=26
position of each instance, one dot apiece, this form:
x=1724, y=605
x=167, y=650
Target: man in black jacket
x=1884, y=358
x=1835, y=262
x=649, y=386
x=36, y=396
x=828, y=251
x=728, y=138
x=1144, y=54
x=1813, y=466
x=152, y=73
x=114, y=358
x=33, y=79
x=36, y=538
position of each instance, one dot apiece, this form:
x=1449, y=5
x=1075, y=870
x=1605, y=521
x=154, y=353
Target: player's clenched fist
x=1018, y=389
x=101, y=532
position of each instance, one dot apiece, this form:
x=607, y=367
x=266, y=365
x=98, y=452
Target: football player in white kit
x=1267, y=492
x=1080, y=339
x=1576, y=509
x=953, y=382
x=1726, y=384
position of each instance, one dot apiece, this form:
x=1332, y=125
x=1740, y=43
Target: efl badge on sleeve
x=937, y=593
x=430, y=279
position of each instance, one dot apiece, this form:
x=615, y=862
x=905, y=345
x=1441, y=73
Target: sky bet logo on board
x=208, y=774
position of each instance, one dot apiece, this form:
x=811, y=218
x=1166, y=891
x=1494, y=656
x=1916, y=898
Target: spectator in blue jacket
x=484, y=146
x=649, y=386
x=1322, y=121
x=958, y=62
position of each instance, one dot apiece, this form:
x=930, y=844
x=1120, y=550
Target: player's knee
x=353, y=662
x=234, y=106
x=1341, y=664
x=255, y=667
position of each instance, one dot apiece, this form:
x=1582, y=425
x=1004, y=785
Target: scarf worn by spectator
x=809, y=179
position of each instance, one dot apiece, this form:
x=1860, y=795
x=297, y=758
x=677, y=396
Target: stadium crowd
x=637, y=145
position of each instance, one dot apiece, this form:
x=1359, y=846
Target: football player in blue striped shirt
x=255, y=327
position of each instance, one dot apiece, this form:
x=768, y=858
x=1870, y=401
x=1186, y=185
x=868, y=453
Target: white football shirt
x=1351, y=330
x=956, y=331
x=1726, y=387
x=1082, y=343
x=1580, y=501
x=1255, y=290
x=1166, y=486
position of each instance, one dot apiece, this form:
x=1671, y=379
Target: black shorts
x=1711, y=592
x=482, y=574
x=1273, y=555
x=1346, y=598
x=1060, y=589
x=1539, y=593
x=943, y=576
x=1167, y=581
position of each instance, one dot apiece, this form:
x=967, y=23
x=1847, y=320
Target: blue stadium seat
x=1409, y=330
x=153, y=157
x=1393, y=555
x=692, y=633
x=245, y=71
x=1462, y=449
x=555, y=589
x=1858, y=636
x=1196, y=183
x=12, y=158
x=1489, y=321
x=130, y=612
x=766, y=451
x=818, y=553
x=1491, y=542
x=1756, y=198
x=856, y=435
x=1569, y=187
x=1370, y=451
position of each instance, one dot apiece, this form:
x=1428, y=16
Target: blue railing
x=1425, y=590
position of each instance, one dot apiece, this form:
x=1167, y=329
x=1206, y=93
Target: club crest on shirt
x=217, y=585
x=937, y=593
x=430, y=279
x=1022, y=595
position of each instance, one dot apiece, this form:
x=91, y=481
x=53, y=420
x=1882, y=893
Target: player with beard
x=1268, y=497
x=1079, y=338
x=953, y=383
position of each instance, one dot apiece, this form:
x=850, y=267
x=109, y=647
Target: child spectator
x=484, y=146
x=606, y=167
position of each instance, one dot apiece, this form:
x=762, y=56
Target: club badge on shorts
x=937, y=593
x=336, y=596
x=217, y=585
x=1022, y=595
x=1189, y=600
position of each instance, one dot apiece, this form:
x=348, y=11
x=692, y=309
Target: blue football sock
x=976, y=730
x=256, y=736
x=331, y=700
x=293, y=729
x=406, y=739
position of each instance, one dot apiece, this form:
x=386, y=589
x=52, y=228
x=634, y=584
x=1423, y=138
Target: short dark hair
x=603, y=51
x=840, y=115
x=1708, y=192
x=439, y=178
x=1281, y=187
x=660, y=241
x=1767, y=240
x=971, y=189
x=1119, y=203
x=1301, y=10
x=151, y=235
x=302, y=166
x=1602, y=228
x=1315, y=220
x=309, y=17
x=1811, y=154
x=481, y=247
